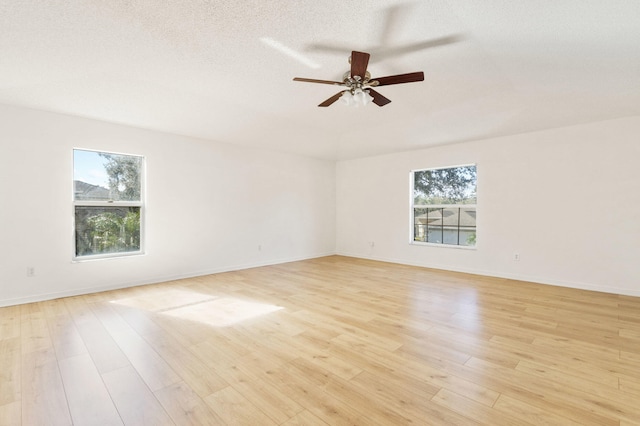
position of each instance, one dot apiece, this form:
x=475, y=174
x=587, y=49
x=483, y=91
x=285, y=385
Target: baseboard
x=153, y=280
x=505, y=275
x=238, y=267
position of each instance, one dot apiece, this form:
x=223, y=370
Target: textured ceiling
x=222, y=70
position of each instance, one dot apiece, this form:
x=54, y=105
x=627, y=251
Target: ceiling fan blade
x=378, y=99
x=359, y=63
x=311, y=80
x=398, y=79
x=331, y=99
x=395, y=19
x=390, y=52
x=329, y=48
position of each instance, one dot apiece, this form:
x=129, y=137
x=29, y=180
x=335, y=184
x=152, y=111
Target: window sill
x=451, y=246
x=106, y=256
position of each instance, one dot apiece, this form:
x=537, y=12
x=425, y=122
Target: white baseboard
x=238, y=267
x=152, y=280
x=505, y=275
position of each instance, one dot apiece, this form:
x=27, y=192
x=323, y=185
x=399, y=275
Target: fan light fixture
x=356, y=97
x=357, y=92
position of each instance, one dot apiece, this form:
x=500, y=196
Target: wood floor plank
x=65, y=336
x=135, y=402
x=235, y=409
x=11, y=414
x=380, y=408
x=53, y=308
x=304, y=418
x=308, y=391
x=616, y=404
x=204, y=381
x=278, y=406
x=87, y=397
x=405, y=397
x=256, y=364
x=630, y=386
x=104, y=351
x=578, y=366
x=478, y=412
x=10, y=370
x=601, y=382
x=34, y=332
x=575, y=405
x=185, y=407
x=9, y=322
x=315, y=351
x=151, y=367
x=43, y=396
x=522, y=411
x=217, y=350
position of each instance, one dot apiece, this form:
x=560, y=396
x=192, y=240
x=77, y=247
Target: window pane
x=420, y=225
x=455, y=185
x=467, y=237
x=100, y=176
x=435, y=234
x=468, y=217
x=450, y=216
x=101, y=230
x=434, y=225
x=467, y=227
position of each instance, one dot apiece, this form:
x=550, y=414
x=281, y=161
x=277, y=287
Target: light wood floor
x=328, y=341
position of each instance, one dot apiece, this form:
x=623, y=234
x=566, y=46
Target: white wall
x=567, y=200
x=209, y=206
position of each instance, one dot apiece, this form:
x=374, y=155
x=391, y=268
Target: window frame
x=413, y=207
x=141, y=204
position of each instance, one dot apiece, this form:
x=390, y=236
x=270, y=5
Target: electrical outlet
x=371, y=244
x=516, y=257
x=31, y=271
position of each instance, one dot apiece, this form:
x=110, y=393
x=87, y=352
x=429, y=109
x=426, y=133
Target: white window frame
x=414, y=206
x=109, y=204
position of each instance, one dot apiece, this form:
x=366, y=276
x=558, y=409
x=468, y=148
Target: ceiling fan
x=359, y=84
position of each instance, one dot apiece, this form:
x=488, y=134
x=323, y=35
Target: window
x=443, y=206
x=107, y=203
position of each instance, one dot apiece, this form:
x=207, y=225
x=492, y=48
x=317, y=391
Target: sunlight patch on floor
x=216, y=311
x=223, y=311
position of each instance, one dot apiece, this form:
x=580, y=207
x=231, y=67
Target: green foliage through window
x=455, y=185
x=124, y=176
x=101, y=230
